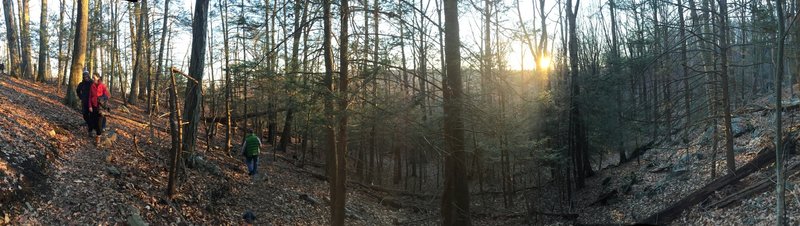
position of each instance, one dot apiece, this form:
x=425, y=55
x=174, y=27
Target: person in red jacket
x=97, y=95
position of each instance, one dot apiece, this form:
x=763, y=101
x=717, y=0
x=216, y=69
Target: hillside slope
x=52, y=174
x=671, y=170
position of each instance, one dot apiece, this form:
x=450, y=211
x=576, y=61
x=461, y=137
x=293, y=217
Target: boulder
x=136, y=220
x=198, y=162
x=740, y=126
x=309, y=199
x=680, y=173
x=113, y=171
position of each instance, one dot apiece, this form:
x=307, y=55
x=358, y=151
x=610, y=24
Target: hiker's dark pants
x=96, y=121
x=252, y=164
x=86, y=115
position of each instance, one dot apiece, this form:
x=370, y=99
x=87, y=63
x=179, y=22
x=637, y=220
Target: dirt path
x=68, y=180
x=76, y=187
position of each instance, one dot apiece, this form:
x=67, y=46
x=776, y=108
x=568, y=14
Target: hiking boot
x=97, y=140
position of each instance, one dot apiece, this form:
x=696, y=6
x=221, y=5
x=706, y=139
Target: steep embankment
x=52, y=174
x=673, y=170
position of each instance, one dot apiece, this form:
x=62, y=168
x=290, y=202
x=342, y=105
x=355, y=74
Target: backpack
x=251, y=145
x=103, y=102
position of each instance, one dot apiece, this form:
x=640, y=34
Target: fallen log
x=757, y=188
x=765, y=157
x=785, y=105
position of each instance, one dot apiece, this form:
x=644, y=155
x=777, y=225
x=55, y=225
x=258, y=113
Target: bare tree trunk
x=61, y=58
x=160, y=67
x=780, y=189
x=176, y=132
x=375, y=71
x=228, y=135
x=330, y=138
x=44, y=60
x=196, y=65
x=25, y=36
x=685, y=70
x=294, y=67
x=78, y=53
x=11, y=36
x=133, y=95
x=455, y=196
x=726, y=103
x=577, y=137
x=338, y=196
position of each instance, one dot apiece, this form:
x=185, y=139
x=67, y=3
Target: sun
x=544, y=62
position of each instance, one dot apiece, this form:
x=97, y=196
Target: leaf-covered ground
x=51, y=173
x=674, y=169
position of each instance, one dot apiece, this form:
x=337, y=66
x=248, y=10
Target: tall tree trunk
x=196, y=65
x=176, y=131
x=338, y=196
x=615, y=67
x=11, y=36
x=61, y=58
x=133, y=95
x=160, y=67
x=78, y=53
x=144, y=54
x=148, y=52
x=375, y=72
x=113, y=52
x=228, y=135
x=685, y=71
x=25, y=37
x=455, y=196
x=330, y=138
x=44, y=60
x=726, y=103
x=578, y=144
x=294, y=67
x=780, y=189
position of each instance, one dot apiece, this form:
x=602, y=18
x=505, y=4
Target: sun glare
x=544, y=62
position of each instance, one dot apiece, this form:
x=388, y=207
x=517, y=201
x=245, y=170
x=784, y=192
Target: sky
x=518, y=55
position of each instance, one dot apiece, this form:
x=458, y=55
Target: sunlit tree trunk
x=191, y=112
x=160, y=67
x=11, y=36
x=25, y=37
x=294, y=67
x=44, y=60
x=61, y=31
x=78, y=53
x=133, y=95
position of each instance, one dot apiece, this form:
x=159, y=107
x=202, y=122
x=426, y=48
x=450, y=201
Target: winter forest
x=399, y=112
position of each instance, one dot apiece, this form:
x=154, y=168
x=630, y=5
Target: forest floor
x=51, y=173
x=673, y=169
